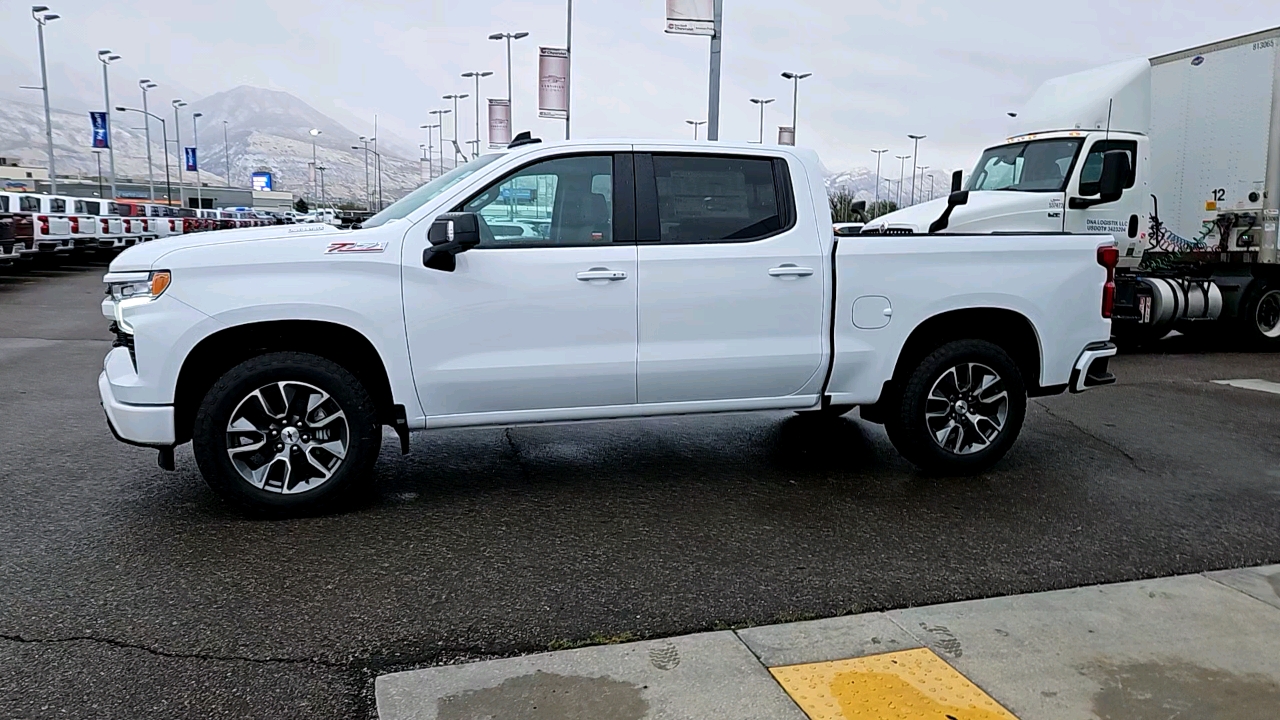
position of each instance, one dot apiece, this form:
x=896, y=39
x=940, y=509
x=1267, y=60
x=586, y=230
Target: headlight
x=143, y=285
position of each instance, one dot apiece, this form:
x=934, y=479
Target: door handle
x=601, y=274
x=790, y=270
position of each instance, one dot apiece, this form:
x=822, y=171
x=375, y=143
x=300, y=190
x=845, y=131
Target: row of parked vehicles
x=32, y=224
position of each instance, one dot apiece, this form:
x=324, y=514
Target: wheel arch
x=1008, y=329
x=217, y=353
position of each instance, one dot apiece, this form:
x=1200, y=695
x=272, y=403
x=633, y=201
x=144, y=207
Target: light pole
x=314, y=133
x=101, y=190
x=106, y=58
x=195, y=145
x=320, y=169
x=440, y=121
x=422, y=161
x=878, y=154
x=568, y=80
x=509, y=37
x=930, y=187
x=43, y=18
x=368, y=194
x=915, y=152
x=177, y=139
x=226, y=151
x=902, y=173
x=922, y=169
x=431, y=173
x=455, y=98
x=477, y=75
x=795, y=79
x=762, y=102
x=146, y=85
x=164, y=136
x=695, y=124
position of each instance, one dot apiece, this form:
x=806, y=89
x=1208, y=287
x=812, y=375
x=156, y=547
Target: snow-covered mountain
x=862, y=183
x=265, y=130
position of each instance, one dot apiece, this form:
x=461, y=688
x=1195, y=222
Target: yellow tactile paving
x=911, y=684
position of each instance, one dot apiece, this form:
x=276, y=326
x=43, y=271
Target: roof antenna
x=1107, y=136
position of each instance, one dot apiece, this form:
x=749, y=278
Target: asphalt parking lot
x=130, y=592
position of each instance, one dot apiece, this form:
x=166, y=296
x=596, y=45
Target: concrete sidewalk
x=1199, y=647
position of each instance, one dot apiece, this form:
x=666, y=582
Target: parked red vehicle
x=20, y=229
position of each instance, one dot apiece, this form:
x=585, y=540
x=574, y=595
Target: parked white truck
x=583, y=281
x=1194, y=195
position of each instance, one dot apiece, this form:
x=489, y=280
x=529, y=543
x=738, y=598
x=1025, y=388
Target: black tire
x=211, y=436
x=909, y=429
x=1256, y=321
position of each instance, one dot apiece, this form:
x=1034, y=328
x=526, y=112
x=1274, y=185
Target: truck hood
x=146, y=255
x=987, y=211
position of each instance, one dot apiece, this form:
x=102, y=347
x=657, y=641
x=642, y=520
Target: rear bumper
x=1091, y=368
x=147, y=425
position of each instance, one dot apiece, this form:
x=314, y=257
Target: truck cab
x=85, y=223
x=20, y=226
x=50, y=222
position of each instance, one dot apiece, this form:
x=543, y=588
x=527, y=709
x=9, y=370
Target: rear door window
x=720, y=198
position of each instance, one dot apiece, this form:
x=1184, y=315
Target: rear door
x=731, y=279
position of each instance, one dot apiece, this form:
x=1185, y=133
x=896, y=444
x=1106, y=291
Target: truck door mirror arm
x=1115, y=171
x=449, y=235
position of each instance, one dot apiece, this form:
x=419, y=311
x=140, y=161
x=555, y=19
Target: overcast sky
x=947, y=69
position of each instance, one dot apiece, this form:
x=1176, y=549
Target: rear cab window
x=29, y=204
x=57, y=205
x=721, y=198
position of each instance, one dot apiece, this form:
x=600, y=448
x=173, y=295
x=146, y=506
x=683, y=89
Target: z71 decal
x=355, y=247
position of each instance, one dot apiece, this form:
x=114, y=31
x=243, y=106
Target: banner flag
x=553, y=83
x=499, y=123
x=192, y=165
x=691, y=17
x=99, y=122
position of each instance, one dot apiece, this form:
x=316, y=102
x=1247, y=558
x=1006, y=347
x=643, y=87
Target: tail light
x=75, y=224
x=172, y=225
x=1109, y=257
x=44, y=224
x=106, y=227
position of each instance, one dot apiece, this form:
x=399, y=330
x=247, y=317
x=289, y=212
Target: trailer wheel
x=960, y=410
x=1260, y=318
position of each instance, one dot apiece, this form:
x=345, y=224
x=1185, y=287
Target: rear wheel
x=960, y=410
x=286, y=432
x=1260, y=316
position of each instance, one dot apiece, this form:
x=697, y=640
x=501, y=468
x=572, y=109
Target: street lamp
x=164, y=136
x=878, y=154
x=320, y=169
x=146, y=85
x=368, y=194
x=915, y=152
x=195, y=146
x=762, y=102
x=902, y=173
x=431, y=173
x=106, y=57
x=695, y=124
x=177, y=139
x=102, y=193
x=921, y=169
x=315, y=133
x=477, y=75
x=42, y=18
x=509, y=37
x=440, y=120
x=795, y=79
x=455, y=98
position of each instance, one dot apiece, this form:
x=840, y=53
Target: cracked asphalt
x=129, y=592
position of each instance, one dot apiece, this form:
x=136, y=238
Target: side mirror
x=1115, y=170
x=449, y=235
x=954, y=200
x=957, y=178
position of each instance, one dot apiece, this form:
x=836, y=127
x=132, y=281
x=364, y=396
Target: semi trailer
x=1195, y=196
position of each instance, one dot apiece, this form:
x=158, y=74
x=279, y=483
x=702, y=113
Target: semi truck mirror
x=1115, y=170
x=957, y=178
x=955, y=199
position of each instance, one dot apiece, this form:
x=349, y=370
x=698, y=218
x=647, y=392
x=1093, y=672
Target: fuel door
x=871, y=312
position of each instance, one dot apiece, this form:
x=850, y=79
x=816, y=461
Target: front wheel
x=960, y=410
x=286, y=432
x=1260, y=316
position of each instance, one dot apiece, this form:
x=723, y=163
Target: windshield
x=1037, y=166
x=416, y=199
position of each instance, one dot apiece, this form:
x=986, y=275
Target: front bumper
x=1090, y=370
x=148, y=425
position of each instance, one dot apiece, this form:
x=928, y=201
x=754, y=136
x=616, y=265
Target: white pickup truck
x=583, y=281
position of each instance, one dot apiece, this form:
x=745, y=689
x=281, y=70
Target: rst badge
x=355, y=247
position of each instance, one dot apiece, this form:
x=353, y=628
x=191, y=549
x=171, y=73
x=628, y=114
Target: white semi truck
x=1191, y=190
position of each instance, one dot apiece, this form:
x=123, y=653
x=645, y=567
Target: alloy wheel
x=287, y=437
x=966, y=408
x=1267, y=315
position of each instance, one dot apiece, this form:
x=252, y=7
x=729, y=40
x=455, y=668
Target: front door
x=542, y=314
x=732, y=284
x=1116, y=218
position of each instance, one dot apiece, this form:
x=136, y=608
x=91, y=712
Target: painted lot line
x=1260, y=385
